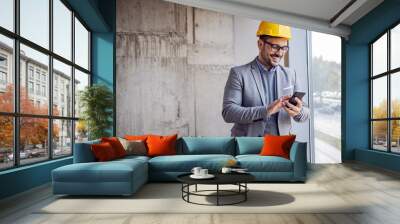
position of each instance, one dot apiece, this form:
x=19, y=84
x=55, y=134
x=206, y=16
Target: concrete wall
x=172, y=65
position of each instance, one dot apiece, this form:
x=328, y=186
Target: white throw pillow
x=134, y=147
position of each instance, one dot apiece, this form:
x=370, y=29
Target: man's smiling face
x=267, y=52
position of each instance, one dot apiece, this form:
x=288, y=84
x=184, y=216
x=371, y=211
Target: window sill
x=25, y=167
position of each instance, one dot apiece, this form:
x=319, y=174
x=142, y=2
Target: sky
x=327, y=46
x=35, y=27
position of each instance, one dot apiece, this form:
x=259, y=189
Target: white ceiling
x=315, y=15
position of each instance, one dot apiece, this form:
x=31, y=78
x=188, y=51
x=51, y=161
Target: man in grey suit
x=256, y=97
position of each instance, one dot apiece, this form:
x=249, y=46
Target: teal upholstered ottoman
x=87, y=177
x=119, y=177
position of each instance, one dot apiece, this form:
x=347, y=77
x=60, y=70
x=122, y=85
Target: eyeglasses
x=276, y=47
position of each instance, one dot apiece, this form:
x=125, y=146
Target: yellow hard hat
x=274, y=30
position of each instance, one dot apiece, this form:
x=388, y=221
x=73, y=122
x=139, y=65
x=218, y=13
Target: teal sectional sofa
x=125, y=176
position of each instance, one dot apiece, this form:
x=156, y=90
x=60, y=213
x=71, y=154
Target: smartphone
x=298, y=95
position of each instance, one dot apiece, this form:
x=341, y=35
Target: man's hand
x=275, y=106
x=291, y=109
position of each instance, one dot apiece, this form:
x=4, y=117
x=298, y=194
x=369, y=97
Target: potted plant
x=96, y=102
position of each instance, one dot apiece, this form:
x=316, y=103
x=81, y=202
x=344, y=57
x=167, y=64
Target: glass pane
x=81, y=45
x=6, y=74
x=379, y=135
x=395, y=136
x=62, y=137
x=395, y=94
x=34, y=82
x=35, y=21
x=62, y=29
x=7, y=14
x=326, y=81
x=81, y=81
x=379, y=97
x=379, y=55
x=81, y=131
x=395, y=47
x=33, y=139
x=62, y=89
x=6, y=142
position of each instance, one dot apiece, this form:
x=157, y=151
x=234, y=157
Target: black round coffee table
x=238, y=179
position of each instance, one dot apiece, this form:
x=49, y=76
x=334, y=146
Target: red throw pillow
x=277, y=145
x=103, y=152
x=116, y=145
x=161, y=145
x=136, y=137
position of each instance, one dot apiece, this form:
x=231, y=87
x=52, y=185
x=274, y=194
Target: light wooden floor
x=352, y=181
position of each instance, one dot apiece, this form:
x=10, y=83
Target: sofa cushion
x=185, y=163
x=257, y=163
x=207, y=145
x=249, y=145
x=111, y=171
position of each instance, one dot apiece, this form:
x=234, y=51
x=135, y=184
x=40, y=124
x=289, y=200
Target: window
x=3, y=78
x=81, y=45
x=62, y=137
x=325, y=83
x=37, y=89
x=3, y=61
x=35, y=21
x=6, y=142
x=62, y=29
x=44, y=131
x=37, y=75
x=30, y=88
x=81, y=81
x=62, y=74
x=7, y=14
x=6, y=73
x=44, y=91
x=385, y=96
x=3, y=72
x=30, y=72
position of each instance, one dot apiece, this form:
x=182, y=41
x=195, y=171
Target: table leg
x=245, y=193
x=196, y=188
x=217, y=194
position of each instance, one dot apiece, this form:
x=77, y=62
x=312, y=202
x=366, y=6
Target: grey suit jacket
x=244, y=100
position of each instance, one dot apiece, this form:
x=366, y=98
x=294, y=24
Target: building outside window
x=34, y=82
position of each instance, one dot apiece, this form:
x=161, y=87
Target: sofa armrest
x=298, y=155
x=83, y=152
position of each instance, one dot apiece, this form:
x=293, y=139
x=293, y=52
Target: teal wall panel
x=24, y=178
x=356, y=85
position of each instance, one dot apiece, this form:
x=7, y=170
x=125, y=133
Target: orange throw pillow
x=277, y=145
x=103, y=152
x=161, y=145
x=116, y=145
